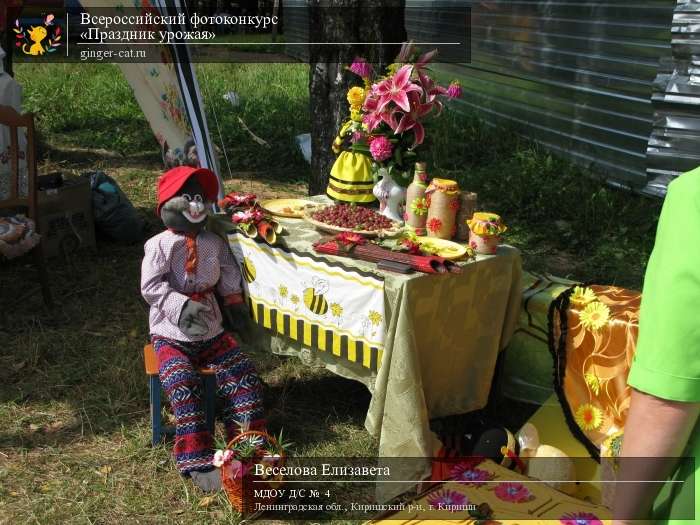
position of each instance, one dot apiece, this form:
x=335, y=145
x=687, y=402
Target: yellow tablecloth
x=513, y=499
x=443, y=336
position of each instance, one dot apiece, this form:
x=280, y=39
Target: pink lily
x=371, y=120
x=432, y=90
x=396, y=88
x=371, y=102
x=411, y=119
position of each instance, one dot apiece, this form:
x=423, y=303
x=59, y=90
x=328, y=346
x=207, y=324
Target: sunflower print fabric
x=594, y=335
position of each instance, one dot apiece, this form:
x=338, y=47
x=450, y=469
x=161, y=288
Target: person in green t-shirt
x=665, y=376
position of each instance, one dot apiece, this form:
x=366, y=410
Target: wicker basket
x=240, y=491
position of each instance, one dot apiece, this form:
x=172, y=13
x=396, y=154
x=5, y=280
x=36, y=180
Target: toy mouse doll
x=182, y=268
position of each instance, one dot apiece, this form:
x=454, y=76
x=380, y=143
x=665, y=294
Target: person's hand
x=192, y=322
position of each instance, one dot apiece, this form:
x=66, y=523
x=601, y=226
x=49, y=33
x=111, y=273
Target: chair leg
x=154, y=392
x=40, y=263
x=210, y=401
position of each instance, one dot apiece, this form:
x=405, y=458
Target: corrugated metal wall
x=575, y=76
x=674, y=146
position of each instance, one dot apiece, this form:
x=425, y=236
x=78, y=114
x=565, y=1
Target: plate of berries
x=339, y=218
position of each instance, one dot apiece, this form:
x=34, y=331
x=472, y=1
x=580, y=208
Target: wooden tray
x=287, y=207
x=329, y=228
x=448, y=249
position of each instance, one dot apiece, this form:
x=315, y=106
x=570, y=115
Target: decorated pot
x=485, y=232
x=416, y=205
x=442, y=196
x=391, y=196
x=467, y=206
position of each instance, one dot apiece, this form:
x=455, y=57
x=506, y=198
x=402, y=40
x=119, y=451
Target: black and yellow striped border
x=317, y=337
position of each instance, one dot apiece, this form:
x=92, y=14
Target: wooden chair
x=10, y=118
x=208, y=376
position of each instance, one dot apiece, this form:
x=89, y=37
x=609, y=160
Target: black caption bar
x=139, y=35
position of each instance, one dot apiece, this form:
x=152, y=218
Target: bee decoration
x=314, y=298
x=249, y=272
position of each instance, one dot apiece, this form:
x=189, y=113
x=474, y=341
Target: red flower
x=512, y=492
x=412, y=247
x=350, y=238
x=434, y=224
x=454, y=205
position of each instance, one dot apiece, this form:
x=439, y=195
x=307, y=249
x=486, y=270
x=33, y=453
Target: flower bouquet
x=389, y=123
x=249, y=217
x=238, y=460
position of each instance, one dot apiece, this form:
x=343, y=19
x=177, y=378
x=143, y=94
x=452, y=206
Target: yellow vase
x=351, y=178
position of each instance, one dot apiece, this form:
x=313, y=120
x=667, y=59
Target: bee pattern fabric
x=325, y=307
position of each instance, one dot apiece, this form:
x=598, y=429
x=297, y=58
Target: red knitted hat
x=171, y=181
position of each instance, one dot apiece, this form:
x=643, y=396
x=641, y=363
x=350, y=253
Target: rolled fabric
x=267, y=231
x=249, y=229
x=276, y=226
x=374, y=253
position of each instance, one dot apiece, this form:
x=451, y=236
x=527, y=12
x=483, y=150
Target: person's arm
x=155, y=288
x=229, y=285
x=665, y=372
x=655, y=428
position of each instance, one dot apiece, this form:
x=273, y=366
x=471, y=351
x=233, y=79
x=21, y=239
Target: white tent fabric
x=168, y=93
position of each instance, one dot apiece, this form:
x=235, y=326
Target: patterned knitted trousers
x=238, y=388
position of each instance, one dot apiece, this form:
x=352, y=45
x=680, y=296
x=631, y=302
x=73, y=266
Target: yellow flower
x=595, y=315
x=295, y=299
x=374, y=317
x=391, y=69
x=593, y=382
x=582, y=296
x=588, y=417
x=283, y=290
x=336, y=310
x=356, y=115
x=356, y=96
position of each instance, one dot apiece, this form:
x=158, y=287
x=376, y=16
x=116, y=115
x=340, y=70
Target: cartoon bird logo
x=314, y=296
x=249, y=271
x=31, y=41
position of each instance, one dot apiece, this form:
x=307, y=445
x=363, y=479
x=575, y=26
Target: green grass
x=93, y=107
x=563, y=218
x=74, y=426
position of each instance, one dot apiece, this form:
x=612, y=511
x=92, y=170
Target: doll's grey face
x=186, y=211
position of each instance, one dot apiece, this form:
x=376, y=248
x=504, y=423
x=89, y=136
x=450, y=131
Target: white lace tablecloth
x=11, y=95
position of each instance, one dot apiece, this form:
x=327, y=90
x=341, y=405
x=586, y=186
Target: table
x=443, y=335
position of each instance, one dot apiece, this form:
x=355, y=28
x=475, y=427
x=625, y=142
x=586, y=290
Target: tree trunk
x=369, y=21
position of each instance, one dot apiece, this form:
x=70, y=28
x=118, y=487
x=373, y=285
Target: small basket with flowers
x=239, y=475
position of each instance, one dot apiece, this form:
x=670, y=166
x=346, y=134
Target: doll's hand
x=191, y=321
